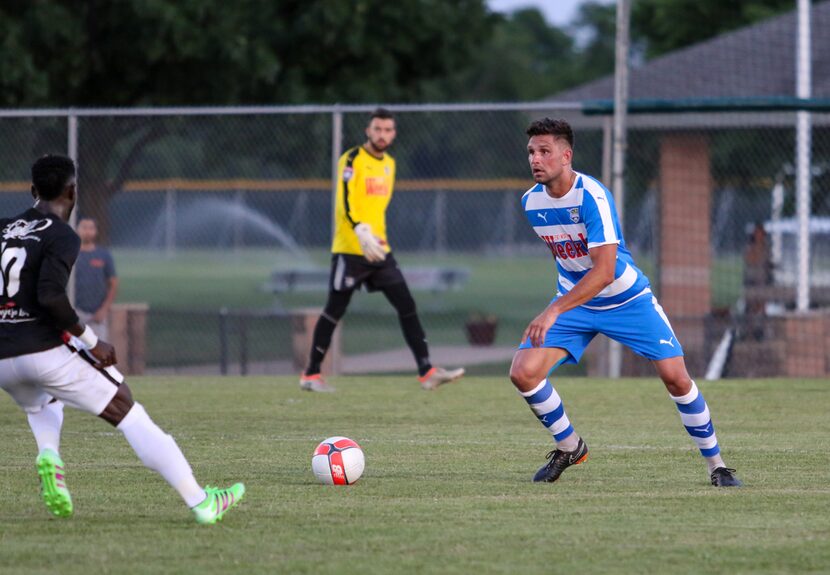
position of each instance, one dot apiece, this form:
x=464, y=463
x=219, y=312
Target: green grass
x=447, y=484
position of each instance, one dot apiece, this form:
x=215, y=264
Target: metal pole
x=72, y=152
x=336, y=152
x=803, y=150
x=223, y=341
x=170, y=222
x=440, y=221
x=618, y=166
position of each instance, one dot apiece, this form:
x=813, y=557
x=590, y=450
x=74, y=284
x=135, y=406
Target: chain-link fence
x=220, y=220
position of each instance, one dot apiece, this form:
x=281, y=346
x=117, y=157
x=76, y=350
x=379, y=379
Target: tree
x=666, y=25
x=64, y=53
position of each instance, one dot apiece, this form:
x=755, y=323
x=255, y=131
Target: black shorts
x=349, y=272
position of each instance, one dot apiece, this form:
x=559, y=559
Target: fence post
x=238, y=223
x=170, y=222
x=336, y=152
x=72, y=152
x=508, y=210
x=440, y=221
x=223, y=341
x=242, y=319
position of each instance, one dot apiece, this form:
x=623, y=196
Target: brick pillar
x=685, y=239
x=128, y=334
x=685, y=207
x=806, y=341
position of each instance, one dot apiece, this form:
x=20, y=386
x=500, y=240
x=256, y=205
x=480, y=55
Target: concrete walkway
x=391, y=361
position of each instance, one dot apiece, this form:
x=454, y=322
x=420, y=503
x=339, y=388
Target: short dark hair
x=381, y=113
x=50, y=174
x=559, y=129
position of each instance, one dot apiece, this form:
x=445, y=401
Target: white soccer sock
x=46, y=426
x=159, y=451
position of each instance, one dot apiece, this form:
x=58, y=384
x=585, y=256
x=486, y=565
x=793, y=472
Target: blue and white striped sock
x=694, y=413
x=549, y=410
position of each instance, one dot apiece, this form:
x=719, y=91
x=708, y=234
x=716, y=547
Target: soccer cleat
x=559, y=461
x=315, y=383
x=439, y=376
x=217, y=503
x=50, y=469
x=723, y=477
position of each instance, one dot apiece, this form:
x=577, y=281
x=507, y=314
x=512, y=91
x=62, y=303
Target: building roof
x=755, y=61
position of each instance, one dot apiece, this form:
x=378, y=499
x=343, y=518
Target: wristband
x=88, y=338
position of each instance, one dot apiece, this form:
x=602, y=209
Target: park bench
x=422, y=278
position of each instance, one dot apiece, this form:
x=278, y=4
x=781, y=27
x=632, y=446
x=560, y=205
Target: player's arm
x=353, y=203
x=112, y=290
x=58, y=258
x=601, y=275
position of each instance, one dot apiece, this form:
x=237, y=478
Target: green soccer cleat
x=50, y=469
x=217, y=503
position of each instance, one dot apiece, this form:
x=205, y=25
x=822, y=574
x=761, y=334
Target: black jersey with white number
x=37, y=252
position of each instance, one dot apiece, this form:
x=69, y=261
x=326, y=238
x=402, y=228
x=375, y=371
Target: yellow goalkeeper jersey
x=364, y=188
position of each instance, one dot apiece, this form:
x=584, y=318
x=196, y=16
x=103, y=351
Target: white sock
x=46, y=426
x=159, y=451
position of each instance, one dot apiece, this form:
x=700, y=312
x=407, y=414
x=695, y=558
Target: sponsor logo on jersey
x=348, y=173
x=542, y=216
x=567, y=249
x=23, y=230
x=13, y=314
x=376, y=187
x=574, y=213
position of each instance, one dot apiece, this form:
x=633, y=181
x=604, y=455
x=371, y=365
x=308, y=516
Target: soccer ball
x=337, y=461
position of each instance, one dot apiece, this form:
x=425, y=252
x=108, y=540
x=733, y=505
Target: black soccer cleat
x=559, y=461
x=723, y=477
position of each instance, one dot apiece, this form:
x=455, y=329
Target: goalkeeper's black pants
x=401, y=299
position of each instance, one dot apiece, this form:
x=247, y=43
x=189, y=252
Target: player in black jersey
x=42, y=373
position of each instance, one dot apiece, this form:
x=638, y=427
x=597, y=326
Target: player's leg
x=530, y=373
x=73, y=380
x=158, y=451
x=430, y=376
x=347, y=273
x=696, y=418
x=336, y=305
x=18, y=376
x=46, y=426
x=644, y=327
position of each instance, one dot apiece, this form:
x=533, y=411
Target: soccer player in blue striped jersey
x=600, y=290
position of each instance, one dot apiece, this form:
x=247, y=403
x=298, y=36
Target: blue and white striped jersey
x=584, y=218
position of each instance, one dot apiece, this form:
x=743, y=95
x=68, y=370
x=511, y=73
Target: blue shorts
x=640, y=324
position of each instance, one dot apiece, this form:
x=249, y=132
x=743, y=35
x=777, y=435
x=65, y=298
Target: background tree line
x=96, y=53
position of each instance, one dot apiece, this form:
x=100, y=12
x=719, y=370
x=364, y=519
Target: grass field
x=447, y=483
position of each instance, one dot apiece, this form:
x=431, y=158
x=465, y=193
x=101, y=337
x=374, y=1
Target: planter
x=481, y=332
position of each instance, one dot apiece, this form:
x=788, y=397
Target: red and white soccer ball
x=337, y=461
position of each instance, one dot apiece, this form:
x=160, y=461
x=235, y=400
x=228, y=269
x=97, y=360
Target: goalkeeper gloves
x=369, y=243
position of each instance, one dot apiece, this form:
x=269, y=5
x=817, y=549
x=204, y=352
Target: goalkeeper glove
x=369, y=243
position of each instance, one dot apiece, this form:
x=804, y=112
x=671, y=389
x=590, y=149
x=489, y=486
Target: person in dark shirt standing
x=95, y=281
x=42, y=371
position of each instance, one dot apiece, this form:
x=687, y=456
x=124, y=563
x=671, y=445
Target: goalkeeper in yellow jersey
x=361, y=254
